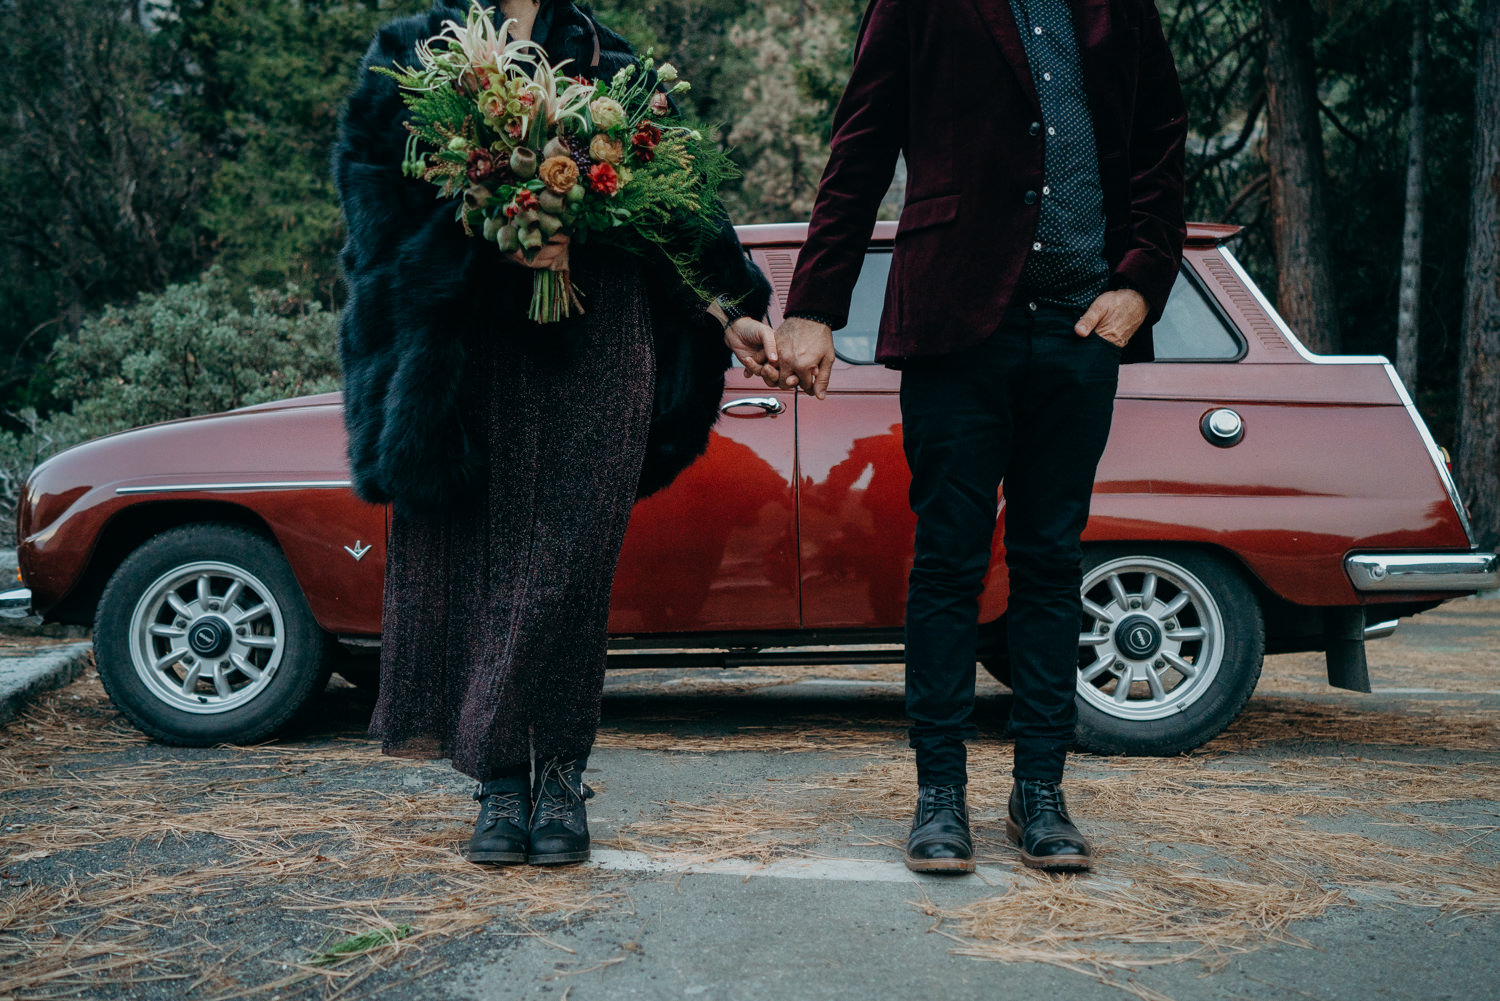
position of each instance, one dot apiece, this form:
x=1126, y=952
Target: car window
x=1192, y=329
x=856, y=341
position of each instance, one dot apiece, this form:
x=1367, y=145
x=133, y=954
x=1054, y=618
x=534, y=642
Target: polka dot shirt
x=1066, y=265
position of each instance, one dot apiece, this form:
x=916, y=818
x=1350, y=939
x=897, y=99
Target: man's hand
x=754, y=344
x=806, y=349
x=1114, y=316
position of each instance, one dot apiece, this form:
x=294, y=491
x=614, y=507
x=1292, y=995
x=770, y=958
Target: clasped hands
x=799, y=353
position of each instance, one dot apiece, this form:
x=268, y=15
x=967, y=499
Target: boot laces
x=556, y=799
x=1045, y=797
x=945, y=798
x=499, y=806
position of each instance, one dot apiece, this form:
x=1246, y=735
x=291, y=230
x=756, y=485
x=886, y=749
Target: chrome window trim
x=1286, y=331
x=1423, y=571
x=166, y=488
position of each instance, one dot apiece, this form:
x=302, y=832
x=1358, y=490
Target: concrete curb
x=23, y=678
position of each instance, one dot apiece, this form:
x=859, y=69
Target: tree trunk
x=1479, y=354
x=1408, y=309
x=1294, y=155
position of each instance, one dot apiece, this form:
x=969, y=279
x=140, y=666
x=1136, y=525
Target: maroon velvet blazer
x=948, y=85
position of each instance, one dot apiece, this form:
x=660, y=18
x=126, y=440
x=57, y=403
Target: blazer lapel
x=1001, y=23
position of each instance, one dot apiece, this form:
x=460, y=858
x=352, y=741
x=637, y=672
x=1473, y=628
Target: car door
x=717, y=550
x=856, y=524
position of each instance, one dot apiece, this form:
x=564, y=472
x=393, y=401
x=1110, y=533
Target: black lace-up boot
x=559, y=820
x=1040, y=825
x=939, y=840
x=500, y=836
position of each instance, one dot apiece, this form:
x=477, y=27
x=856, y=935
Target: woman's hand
x=754, y=344
x=552, y=256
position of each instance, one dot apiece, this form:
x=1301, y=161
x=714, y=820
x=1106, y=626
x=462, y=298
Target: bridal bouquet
x=529, y=151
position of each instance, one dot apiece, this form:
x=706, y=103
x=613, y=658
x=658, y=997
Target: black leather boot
x=939, y=839
x=1040, y=825
x=500, y=835
x=559, y=821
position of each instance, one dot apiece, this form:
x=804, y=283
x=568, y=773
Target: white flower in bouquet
x=607, y=113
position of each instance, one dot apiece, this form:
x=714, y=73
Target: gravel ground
x=748, y=826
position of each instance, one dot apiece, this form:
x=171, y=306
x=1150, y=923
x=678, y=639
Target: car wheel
x=203, y=637
x=1170, y=649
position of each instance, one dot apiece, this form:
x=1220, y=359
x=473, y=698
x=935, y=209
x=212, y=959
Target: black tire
x=295, y=667
x=1208, y=711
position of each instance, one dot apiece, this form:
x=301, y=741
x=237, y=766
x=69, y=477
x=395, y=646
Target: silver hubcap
x=206, y=637
x=1152, y=638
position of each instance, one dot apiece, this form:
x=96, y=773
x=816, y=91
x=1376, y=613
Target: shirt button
x=1051, y=131
x=1046, y=189
x=1036, y=31
x=1036, y=246
x=1047, y=76
x=1031, y=306
x=1036, y=128
x=1029, y=198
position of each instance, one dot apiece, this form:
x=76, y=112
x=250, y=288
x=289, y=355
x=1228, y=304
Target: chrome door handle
x=767, y=405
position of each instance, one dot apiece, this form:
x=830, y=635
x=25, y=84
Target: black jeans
x=1029, y=408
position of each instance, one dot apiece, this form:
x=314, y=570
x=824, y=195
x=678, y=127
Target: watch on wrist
x=731, y=311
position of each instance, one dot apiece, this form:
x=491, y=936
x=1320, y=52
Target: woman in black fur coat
x=511, y=452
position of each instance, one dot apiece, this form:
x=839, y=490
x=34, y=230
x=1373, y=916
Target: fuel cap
x=1222, y=427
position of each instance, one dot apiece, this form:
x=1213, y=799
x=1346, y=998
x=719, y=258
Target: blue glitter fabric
x=495, y=623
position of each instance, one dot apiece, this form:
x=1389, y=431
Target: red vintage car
x=1254, y=498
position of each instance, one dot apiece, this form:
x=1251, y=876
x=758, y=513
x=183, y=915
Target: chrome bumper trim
x=169, y=488
x=1424, y=571
x=16, y=603
x=1380, y=630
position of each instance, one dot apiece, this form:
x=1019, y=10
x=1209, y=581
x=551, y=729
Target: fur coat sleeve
x=413, y=277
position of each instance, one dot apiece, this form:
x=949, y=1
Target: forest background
x=169, y=231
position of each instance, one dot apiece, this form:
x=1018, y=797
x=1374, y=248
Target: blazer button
x=1030, y=198
x=1036, y=128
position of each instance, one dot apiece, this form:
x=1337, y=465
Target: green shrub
x=191, y=349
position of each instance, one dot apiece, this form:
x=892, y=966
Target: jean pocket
x=1117, y=348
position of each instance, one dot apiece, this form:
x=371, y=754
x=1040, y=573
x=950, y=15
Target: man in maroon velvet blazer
x=1040, y=239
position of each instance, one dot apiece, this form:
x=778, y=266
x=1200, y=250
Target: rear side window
x=1191, y=328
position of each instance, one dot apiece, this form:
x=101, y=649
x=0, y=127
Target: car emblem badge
x=358, y=551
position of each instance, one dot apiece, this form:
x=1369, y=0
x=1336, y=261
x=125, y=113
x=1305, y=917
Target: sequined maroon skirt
x=495, y=622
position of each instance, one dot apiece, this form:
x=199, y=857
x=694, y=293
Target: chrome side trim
x=1432, y=452
x=170, y=488
x=1423, y=571
x=1286, y=331
x=1380, y=630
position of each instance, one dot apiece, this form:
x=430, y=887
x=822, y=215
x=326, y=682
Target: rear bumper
x=1423, y=571
x=16, y=603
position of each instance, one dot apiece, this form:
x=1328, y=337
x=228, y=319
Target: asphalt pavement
x=748, y=828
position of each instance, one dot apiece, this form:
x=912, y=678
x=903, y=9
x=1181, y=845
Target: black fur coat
x=416, y=283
